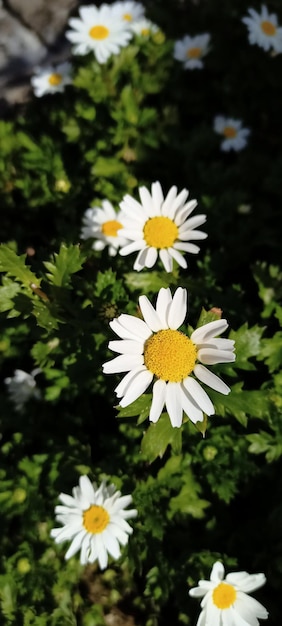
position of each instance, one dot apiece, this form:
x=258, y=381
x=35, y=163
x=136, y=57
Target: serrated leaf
x=149, y=281
x=209, y=316
x=44, y=316
x=109, y=286
x=41, y=351
x=8, y=291
x=271, y=352
x=241, y=403
x=266, y=443
x=158, y=437
x=247, y=345
x=140, y=407
x=14, y=265
x=188, y=501
x=66, y=262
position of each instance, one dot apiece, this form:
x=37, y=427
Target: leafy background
x=137, y=119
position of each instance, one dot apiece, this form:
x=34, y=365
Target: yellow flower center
x=55, y=79
x=99, y=32
x=127, y=16
x=170, y=355
x=110, y=228
x=230, y=132
x=95, y=519
x=145, y=32
x=160, y=232
x=268, y=28
x=194, y=53
x=224, y=596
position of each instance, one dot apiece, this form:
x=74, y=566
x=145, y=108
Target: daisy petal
x=151, y=317
x=159, y=394
x=211, y=380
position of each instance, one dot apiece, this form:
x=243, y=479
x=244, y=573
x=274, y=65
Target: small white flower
x=154, y=350
x=191, y=50
x=144, y=27
x=264, y=29
x=158, y=227
x=94, y=520
x=128, y=11
x=51, y=79
x=226, y=601
x=22, y=387
x=103, y=224
x=235, y=137
x=98, y=30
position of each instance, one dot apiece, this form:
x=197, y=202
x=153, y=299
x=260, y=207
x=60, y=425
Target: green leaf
x=241, y=403
x=7, y=293
x=15, y=266
x=247, y=345
x=159, y=436
x=44, y=316
x=65, y=263
x=108, y=167
x=263, y=442
x=41, y=351
x=149, y=281
x=268, y=278
x=140, y=407
x=271, y=352
x=8, y=596
x=108, y=286
x=208, y=316
x=188, y=501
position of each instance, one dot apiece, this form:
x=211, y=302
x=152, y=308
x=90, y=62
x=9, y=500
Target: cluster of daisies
x=106, y=29
x=154, y=350
x=94, y=521
x=102, y=31
x=263, y=30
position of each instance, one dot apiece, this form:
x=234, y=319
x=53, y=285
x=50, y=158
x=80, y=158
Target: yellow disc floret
x=99, y=32
x=127, y=17
x=55, y=79
x=95, y=519
x=268, y=28
x=230, y=132
x=110, y=228
x=194, y=53
x=160, y=232
x=170, y=355
x=224, y=596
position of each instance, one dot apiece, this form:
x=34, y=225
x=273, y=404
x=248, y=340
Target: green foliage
x=15, y=266
x=206, y=491
x=66, y=262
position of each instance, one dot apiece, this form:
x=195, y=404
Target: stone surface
x=47, y=19
x=31, y=34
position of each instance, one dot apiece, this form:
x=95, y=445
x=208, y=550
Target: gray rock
x=31, y=35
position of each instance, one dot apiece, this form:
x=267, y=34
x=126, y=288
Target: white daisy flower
x=98, y=30
x=22, y=387
x=153, y=349
x=159, y=226
x=264, y=29
x=226, y=601
x=51, y=79
x=103, y=224
x=144, y=27
x=231, y=129
x=191, y=50
x=94, y=520
x=128, y=11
